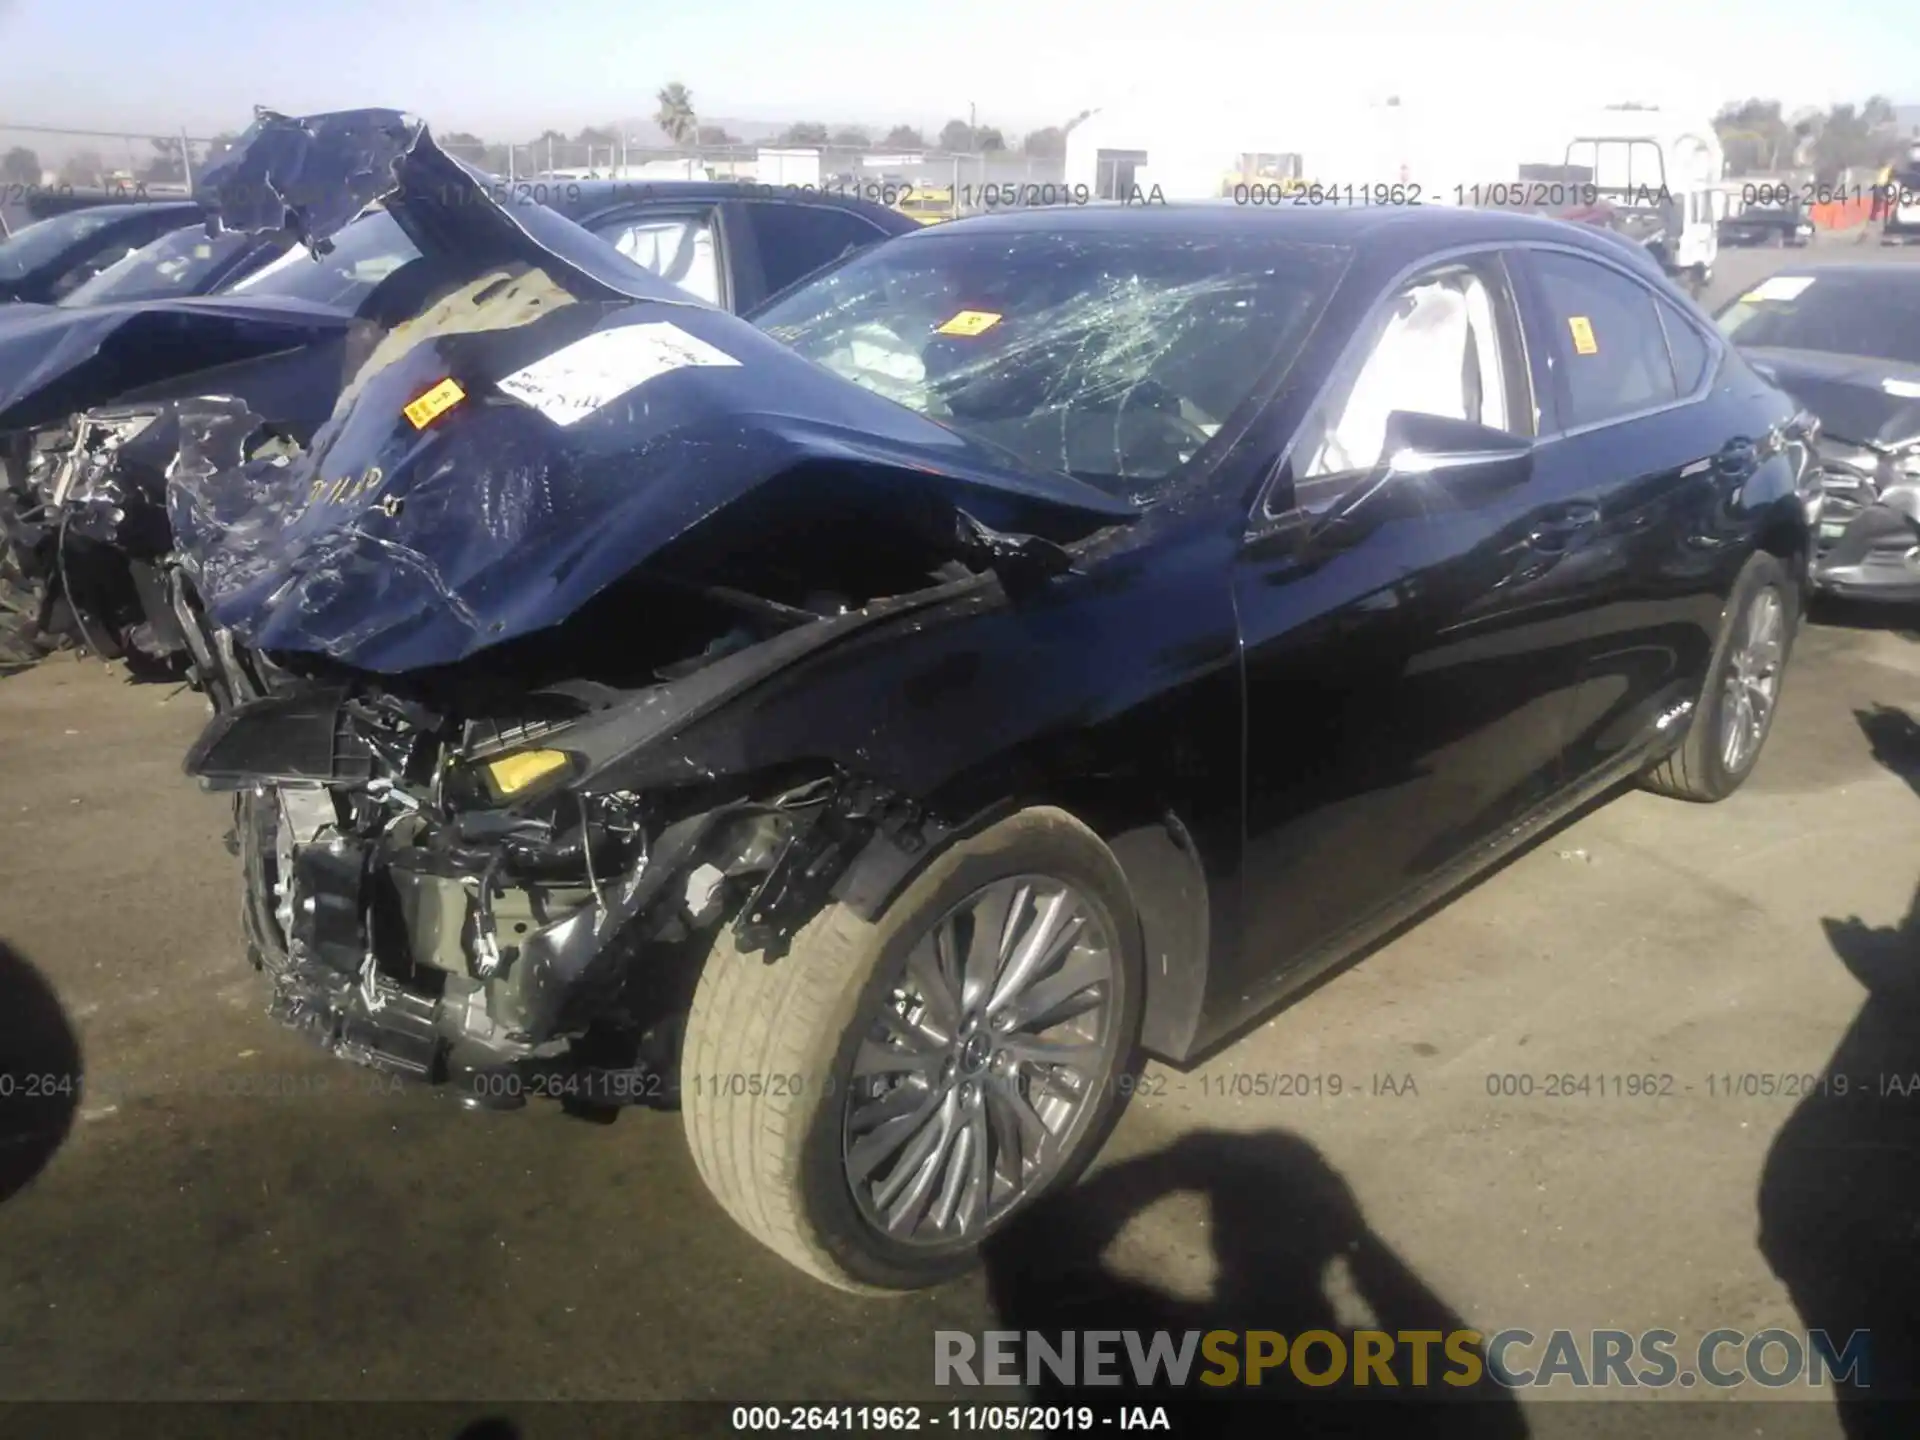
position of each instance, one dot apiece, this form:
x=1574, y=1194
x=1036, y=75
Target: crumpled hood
x=586, y=441
x=1850, y=393
x=314, y=174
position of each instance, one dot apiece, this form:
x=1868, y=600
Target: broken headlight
x=96, y=437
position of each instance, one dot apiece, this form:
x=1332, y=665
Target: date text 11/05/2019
x=961, y=1419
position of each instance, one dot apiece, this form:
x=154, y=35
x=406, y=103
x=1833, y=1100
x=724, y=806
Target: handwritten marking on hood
x=578, y=379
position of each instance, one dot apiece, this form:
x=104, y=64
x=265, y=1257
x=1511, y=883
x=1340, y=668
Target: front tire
x=22, y=641
x=1735, y=713
x=877, y=1101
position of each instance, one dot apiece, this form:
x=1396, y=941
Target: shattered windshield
x=176, y=264
x=27, y=249
x=1842, y=314
x=364, y=253
x=1112, y=357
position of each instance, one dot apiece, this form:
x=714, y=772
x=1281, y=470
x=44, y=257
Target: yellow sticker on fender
x=1583, y=341
x=969, y=322
x=437, y=401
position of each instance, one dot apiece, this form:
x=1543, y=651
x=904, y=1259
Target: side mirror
x=1459, y=454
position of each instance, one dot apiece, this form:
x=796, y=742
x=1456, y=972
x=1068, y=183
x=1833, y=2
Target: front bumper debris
x=1867, y=545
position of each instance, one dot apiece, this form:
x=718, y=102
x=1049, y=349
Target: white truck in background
x=1648, y=171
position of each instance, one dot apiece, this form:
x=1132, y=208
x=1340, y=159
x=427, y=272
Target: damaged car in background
x=1031, y=643
x=84, y=544
x=1844, y=340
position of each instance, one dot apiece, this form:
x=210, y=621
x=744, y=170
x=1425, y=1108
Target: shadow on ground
x=1903, y=620
x=1840, y=1195
x=39, y=1073
x=1279, y=1216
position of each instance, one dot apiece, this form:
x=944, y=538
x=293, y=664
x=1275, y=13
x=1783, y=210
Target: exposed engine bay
x=449, y=904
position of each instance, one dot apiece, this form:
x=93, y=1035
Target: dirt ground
x=229, y=1215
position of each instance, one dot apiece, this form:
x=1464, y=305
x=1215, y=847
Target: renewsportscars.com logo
x=1413, y=1359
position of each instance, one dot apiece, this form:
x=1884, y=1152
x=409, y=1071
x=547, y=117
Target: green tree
x=1755, y=137
x=20, y=166
x=904, y=137
x=165, y=168
x=1050, y=143
x=1844, y=141
x=84, y=169
x=709, y=136
x=465, y=144
x=989, y=138
x=807, y=132
x=957, y=136
x=598, y=136
x=675, y=116
x=851, y=138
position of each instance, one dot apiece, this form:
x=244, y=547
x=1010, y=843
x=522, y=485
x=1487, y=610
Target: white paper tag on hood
x=578, y=379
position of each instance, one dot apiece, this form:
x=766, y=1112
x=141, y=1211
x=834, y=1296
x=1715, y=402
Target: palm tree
x=675, y=116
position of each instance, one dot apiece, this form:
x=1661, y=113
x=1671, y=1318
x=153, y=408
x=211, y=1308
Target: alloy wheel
x=986, y=1063
x=1753, y=682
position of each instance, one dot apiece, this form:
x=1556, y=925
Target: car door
x=1406, y=693
x=1631, y=374
x=685, y=244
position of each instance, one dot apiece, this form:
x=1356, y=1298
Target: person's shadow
x=1279, y=1217
x=1840, y=1194
x=40, y=1080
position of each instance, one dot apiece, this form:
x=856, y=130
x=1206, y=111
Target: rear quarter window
x=1692, y=354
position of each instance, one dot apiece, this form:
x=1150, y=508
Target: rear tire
x=769, y=1087
x=1707, y=767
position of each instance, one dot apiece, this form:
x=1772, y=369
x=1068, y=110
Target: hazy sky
x=508, y=69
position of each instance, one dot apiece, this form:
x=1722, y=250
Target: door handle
x=1563, y=528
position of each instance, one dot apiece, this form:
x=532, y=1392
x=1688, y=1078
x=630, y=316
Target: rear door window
x=1604, y=343
x=796, y=240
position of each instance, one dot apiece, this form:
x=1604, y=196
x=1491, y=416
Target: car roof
x=592, y=195
x=187, y=209
x=1412, y=228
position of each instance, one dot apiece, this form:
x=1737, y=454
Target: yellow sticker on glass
x=1583, y=341
x=437, y=401
x=969, y=322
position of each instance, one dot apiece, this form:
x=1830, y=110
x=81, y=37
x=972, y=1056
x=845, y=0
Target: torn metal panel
x=315, y=174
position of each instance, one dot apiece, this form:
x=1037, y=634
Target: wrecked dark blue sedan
x=1038, y=641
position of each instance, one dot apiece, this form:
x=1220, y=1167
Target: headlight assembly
x=523, y=774
x=97, y=436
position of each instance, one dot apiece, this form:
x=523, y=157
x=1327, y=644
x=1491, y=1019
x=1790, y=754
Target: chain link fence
x=36, y=158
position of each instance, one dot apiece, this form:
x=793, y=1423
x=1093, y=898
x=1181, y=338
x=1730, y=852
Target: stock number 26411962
x=880, y=1419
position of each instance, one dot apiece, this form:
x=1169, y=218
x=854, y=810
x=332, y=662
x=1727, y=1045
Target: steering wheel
x=1166, y=404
